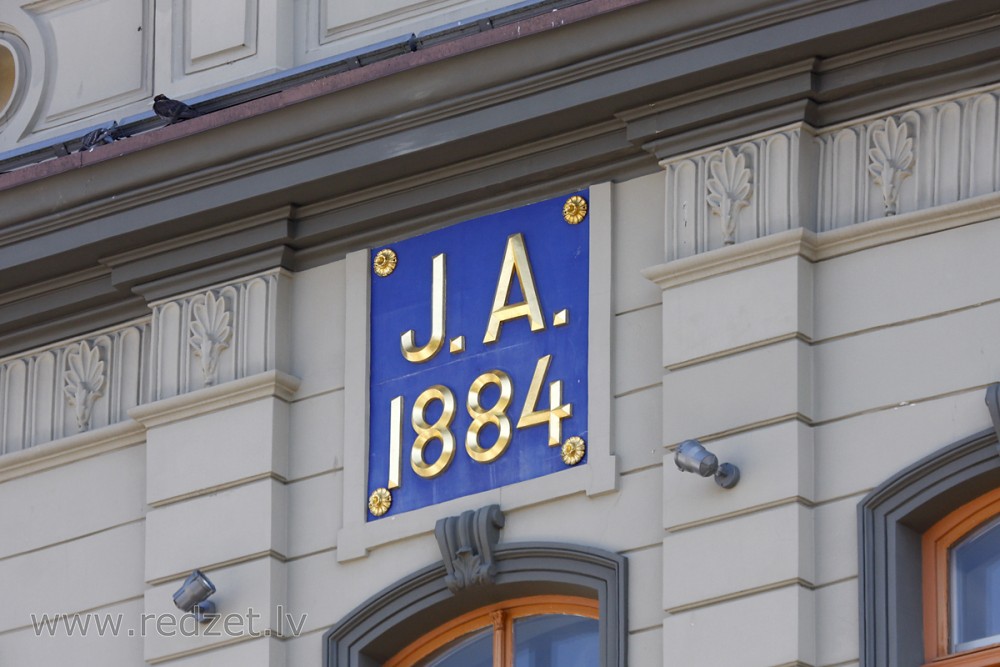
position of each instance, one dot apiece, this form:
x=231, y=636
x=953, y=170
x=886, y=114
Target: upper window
x=928, y=540
x=540, y=631
x=961, y=564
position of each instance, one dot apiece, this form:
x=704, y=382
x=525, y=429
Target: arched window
x=538, y=631
x=961, y=566
x=929, y=539
x=528, y=604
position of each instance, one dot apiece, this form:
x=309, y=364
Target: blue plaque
x=478, y=368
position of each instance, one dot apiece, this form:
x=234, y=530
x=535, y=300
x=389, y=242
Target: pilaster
x=217, y=462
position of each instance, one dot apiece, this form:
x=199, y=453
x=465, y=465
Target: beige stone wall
x=820, y=362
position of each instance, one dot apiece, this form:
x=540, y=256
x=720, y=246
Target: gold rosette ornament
x=573, y=450
x=385, y=262
x=575, y=210
x=379, y=502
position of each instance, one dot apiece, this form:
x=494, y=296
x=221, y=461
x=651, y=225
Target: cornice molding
x=287, y=145
x=217, y=397
x=70, y=449
x=362, y=154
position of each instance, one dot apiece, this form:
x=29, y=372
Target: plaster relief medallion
x=210, y=333
x=385, y=262
x=890, y=159
x=380, y=501
x=84, y=379
x=573, y=450
x=575, y=210
x=728, y=190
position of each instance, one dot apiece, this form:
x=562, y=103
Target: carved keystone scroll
x=467, y=542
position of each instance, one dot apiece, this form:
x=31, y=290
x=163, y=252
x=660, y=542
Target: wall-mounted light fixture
x=691, y=456
x=193, y=596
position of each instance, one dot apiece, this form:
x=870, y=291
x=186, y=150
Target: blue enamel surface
x=474, y=250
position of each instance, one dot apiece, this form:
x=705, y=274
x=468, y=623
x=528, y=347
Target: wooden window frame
x=501, y=616
x=936, y=544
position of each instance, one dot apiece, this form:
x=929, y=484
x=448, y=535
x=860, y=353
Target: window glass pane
x=472, y=650
x=975, y=585
x=556, y=640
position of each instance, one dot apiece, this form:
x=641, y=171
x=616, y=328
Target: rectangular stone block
x=329, y=589
x=837, y=623
x=107, y=490
x=318, y=320
x=645, y=649
x=53, y=645
x=637, y=429
x=776, y=464
x=249, y=599
x=257, y=652
x=773, y=628
x=645, y=571
x=755, y=386
x=894, y=366
x=314, y=513
x=86, y=573
x=303, y=650
x=636, y=337
x=604, y=519
x=929, y=274
x=637, y=241
x=239, y=442
x=727, y=557
x=317, y=435
x=837, y=540
x=734, y=310
x=886, y=441
x=224, y=526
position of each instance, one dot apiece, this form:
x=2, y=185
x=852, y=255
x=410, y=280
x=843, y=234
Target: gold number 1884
x=481, y=416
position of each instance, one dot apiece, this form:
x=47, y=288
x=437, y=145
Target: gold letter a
x=515, y=261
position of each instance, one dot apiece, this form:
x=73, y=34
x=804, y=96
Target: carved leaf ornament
x=890, y=159
x=210, y=333
x=84, y=381
x=728, y=190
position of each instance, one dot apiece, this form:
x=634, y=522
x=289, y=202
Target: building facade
x=398, y=341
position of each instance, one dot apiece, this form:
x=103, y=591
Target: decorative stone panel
x=911, y=159
x=71, y=387
x=216, y=335
x=218, y=32
x=83, y=37
x=954, y=154
x=737, y=192
x=343, y=26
